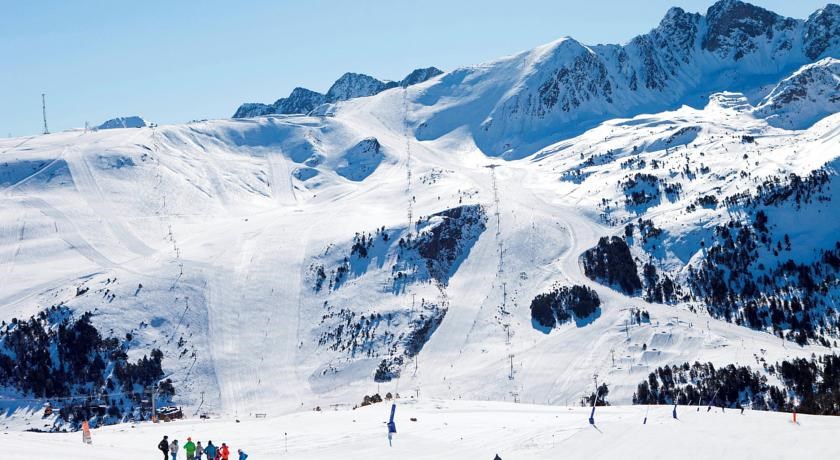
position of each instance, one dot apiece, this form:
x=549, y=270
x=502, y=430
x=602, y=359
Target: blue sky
x=174, y=61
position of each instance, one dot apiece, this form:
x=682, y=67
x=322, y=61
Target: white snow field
x=466, y=430
x=211, y=220
x=205, y=240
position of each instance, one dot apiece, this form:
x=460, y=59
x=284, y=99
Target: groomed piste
x=466, y=430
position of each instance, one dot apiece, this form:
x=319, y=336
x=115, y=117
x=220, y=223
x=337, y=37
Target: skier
x=173, y=449
x=86, y=433
x=163, y=446
x=189, y=446
x=199, y=450
x=224, y=451
x=210, y=450
x=242, y=455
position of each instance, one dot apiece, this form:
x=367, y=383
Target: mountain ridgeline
x=348, y=86
x=564, y=87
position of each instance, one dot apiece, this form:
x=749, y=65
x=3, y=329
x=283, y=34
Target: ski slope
x=466, y=429
x=211, y=220
x=203, y=240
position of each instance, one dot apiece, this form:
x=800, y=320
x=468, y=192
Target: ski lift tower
x=510, y=376
x=44, y=111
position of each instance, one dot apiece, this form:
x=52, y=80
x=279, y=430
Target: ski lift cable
x=68, y=398
x=95, y=395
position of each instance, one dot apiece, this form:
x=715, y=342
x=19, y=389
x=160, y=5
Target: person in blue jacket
x=242, y=455
x=210, y=450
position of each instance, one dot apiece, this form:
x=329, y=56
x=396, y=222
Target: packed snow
x=437, y=429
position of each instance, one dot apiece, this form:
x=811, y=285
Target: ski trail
x=9, y=191
x=88, y=187
x=7, y=258
x=408, y=189
x=18, y=145
x=282, y=185
x=280, y=348
x=69, y=232
x=221, y=321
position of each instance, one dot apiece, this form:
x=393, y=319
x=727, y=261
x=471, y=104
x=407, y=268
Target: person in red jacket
x=224, y=451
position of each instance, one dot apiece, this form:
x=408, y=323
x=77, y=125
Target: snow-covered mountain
x=500, y=231
x=522, y=102
x=348, y=86
x=810, y=94
x=419, y=76
x=352, y=85
x=123, y=122
x=301, y=100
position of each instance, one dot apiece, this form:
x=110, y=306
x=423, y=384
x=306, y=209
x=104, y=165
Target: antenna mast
x=44, y=110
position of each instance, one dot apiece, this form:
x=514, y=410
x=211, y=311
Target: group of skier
x=195, y=451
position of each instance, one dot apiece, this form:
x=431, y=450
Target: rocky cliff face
x=822, y=32
x=353, y=85
x=301, y=100
x=419, y=76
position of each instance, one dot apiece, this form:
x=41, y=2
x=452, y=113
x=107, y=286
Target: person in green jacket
x=189, y=446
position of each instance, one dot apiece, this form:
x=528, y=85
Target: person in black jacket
x=164, y=447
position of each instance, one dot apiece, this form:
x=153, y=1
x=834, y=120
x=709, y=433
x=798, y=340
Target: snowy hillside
x=502, y=232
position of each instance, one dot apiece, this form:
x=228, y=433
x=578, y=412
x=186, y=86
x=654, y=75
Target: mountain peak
x=732, y=26
x=300, y=100
x=420, y=75
x=352, y=85
x=133, y=121
x=822, y=31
